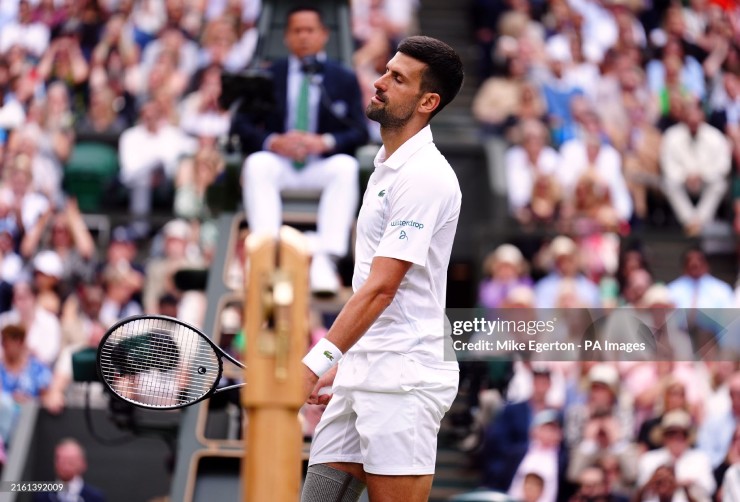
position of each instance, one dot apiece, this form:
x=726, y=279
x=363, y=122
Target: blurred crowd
x=601, y=118
x=604, y=115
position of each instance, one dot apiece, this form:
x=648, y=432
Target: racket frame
x=220, y=354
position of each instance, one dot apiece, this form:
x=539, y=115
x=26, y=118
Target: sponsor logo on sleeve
x=407, y=223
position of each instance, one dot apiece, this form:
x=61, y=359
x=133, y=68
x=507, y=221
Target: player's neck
x=394, y=138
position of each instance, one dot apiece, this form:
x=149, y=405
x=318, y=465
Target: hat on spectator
x=49, y=263
x=545, y=417
x=540, y=369
x=123, y=235
x=177, y=229
x=657, y=295
x=679, y=420
x=505, y=253
x=562, y=246
x=557, y=49
x=605, y=374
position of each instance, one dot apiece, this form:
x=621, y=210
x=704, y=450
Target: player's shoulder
x=430, y=169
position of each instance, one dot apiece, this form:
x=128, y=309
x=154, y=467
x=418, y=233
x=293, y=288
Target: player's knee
x=327, y=484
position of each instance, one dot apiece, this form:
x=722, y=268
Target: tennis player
x=392, y=386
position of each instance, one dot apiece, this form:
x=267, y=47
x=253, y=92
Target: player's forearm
x=360, y=312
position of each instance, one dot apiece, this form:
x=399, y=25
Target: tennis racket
x=159, y=362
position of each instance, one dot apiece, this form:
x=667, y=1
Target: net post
x=276, y=327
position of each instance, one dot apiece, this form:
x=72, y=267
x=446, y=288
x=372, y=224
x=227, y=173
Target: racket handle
x=324, y=390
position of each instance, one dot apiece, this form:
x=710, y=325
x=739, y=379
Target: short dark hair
x=14, y=332
x=304, y=8
x=444, y=72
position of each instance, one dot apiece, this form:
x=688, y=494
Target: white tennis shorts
x=385, y=414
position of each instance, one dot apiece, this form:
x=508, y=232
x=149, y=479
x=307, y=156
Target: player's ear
x=429, y=102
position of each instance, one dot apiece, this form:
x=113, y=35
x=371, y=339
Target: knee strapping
x=326, y=484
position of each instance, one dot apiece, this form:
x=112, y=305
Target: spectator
x=507, y=438
x=121, y=283
x=662, y=487
x=589, y=154
x=149, y=154
x=47, y=273
x=603, y=402
x=194, y=177
x=82, y=328
x=223, y=45
x=602, y=436
x=543, y=457
x=391, y=20
x=498, y=100
x=70, y=465
x=42, y=332
x=23, y=375
x=65, y=233
x=201, y=114
x=180, y=251
x=123, y=248
x=307, y=143
x=50, y=15
x=731, y=458
x=674, y=398
x=171, y=39
x=506, y=269
x=558, y=92
x=245, y=11
x=65, y=61
x=730, y=489
x=695, y=160
x=637, y=284
x=716, y=432
x=528, y=165
x=56, y=124
x=566, y=267
x=693, y=472
x=641, y=158
x=593, y=486
x=117, y=36
x=101, y=121
x=696, y=288
x=33, y=36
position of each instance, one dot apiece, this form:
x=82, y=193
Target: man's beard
x=387, y=120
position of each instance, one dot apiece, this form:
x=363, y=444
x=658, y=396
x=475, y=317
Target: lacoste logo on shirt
x=328, y=355
x=381, y=193
x=403, y=235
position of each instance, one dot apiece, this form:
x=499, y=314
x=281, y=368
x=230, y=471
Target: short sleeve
x=414, y=211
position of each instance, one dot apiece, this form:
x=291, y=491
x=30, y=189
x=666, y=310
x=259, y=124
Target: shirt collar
x=75, y=485
x=294, y=64
x=406, y=151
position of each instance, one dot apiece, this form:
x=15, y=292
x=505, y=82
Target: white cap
x=49, y=263
x=177, y=229
x=557, y=49
x=605, y=374
x=657, y=294
x=562, y=245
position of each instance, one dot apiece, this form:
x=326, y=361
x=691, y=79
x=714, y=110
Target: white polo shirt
x=410, y=212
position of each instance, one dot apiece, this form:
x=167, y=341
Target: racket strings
x=158, y=363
